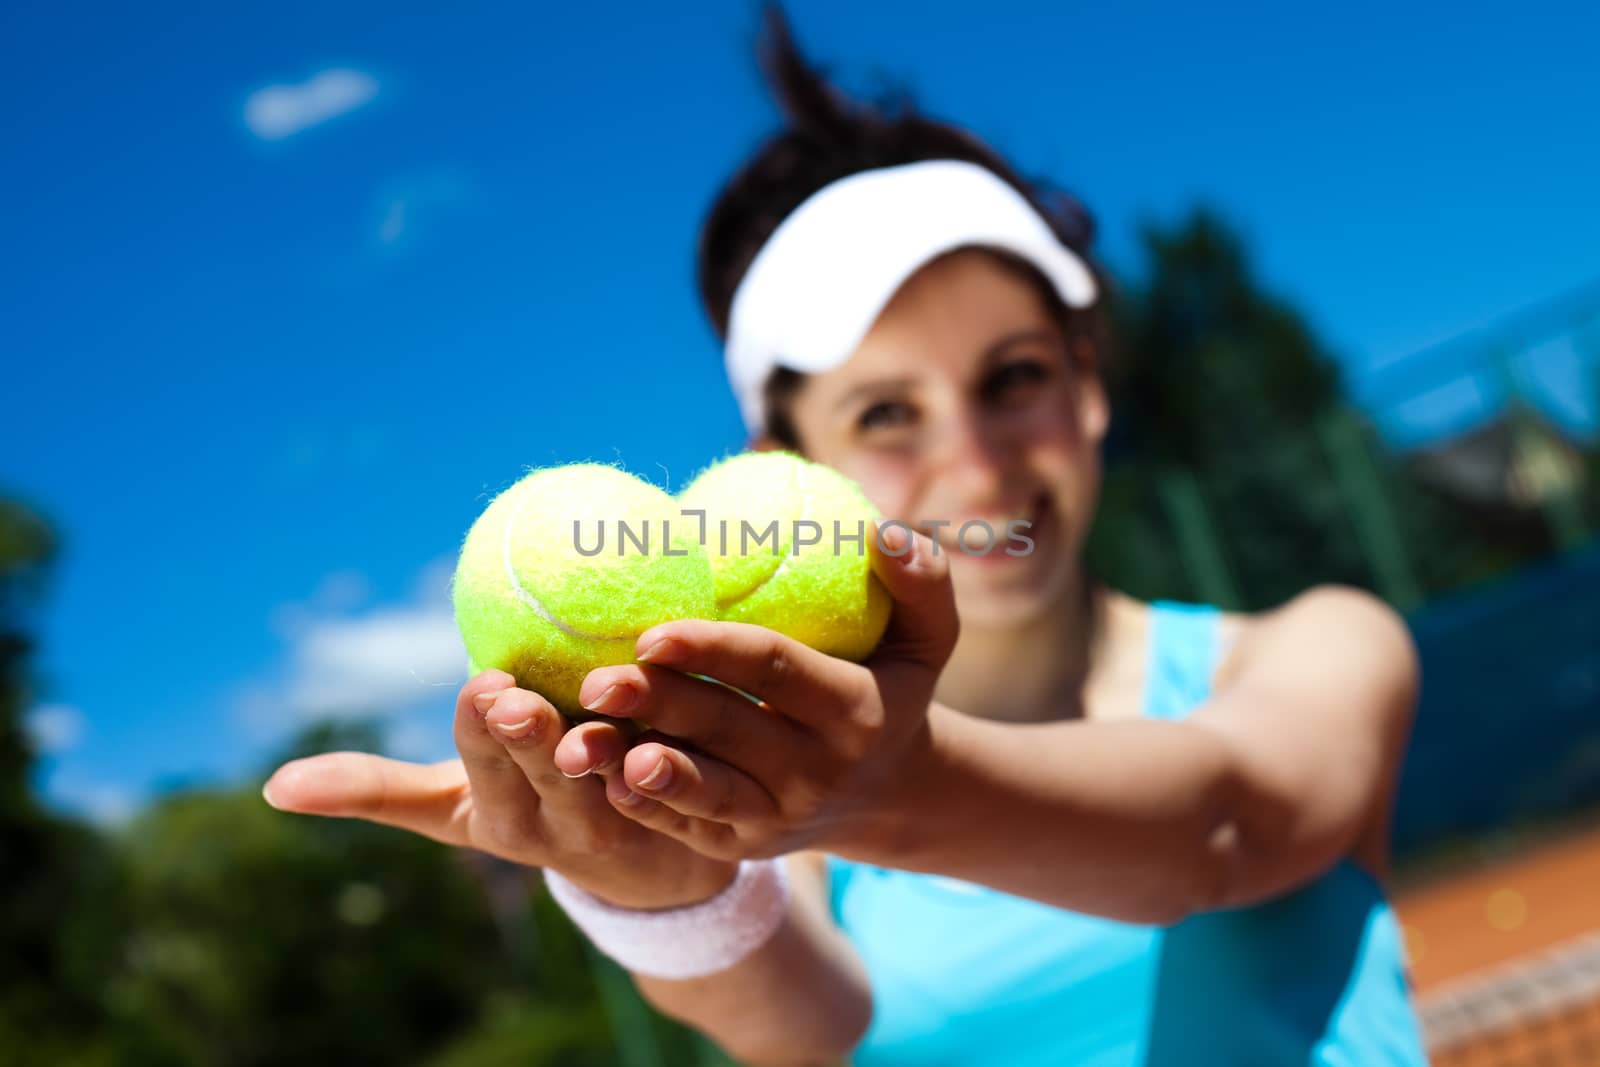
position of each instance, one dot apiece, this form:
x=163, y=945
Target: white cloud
x=102, y=803
x=110, y=805
x=55, y=728
x=384, y=661
x=393, y=226
x=409, y=206
x=274, y=112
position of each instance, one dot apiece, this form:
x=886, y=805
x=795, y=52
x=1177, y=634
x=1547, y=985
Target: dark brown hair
x=827, y=137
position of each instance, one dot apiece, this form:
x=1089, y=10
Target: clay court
x=1506, y=958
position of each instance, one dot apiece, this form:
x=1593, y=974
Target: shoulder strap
x=1181, y=657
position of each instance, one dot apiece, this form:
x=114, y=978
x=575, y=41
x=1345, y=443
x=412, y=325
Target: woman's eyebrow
x=878, y=386
x=997, y=348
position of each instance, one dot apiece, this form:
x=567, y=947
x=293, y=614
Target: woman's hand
x=507, y=796
x=826, y=759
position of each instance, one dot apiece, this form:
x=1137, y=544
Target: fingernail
x=615, y=700
x=897, y=542
x=583, y=773
x=630, y=799
x=484, y=701
x=267, y=796
x=514, y=729
x=660, y=652
x=659, y=777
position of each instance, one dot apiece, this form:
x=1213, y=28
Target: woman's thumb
x=922, y=623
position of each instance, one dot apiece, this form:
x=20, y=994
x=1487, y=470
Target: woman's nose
x=974, y=454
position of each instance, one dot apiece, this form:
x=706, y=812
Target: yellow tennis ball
x=790, y=544
x=564, y=570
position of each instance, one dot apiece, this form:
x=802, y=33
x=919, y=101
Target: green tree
x=255, y=936
x=213, y=930
x=1238, y=472
x=259, y=937
x=53, y=930
x=1215, y=489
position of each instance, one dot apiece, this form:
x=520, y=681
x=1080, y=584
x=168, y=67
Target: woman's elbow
x=1253, y=848
x=1222, y=840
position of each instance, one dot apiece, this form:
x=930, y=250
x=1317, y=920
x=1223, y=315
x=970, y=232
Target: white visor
x=825, y=274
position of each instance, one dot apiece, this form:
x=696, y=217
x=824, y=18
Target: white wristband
x=687, y=942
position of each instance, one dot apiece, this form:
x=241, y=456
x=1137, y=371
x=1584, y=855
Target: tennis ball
x=564, y=570
x=789, y=543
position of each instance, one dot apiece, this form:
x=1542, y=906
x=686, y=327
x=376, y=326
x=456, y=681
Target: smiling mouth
x=1029, y=523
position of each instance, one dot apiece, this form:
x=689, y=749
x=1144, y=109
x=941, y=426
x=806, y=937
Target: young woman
x=1069, y=828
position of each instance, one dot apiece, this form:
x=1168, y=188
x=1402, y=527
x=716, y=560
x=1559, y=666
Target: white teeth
x=1000, y=523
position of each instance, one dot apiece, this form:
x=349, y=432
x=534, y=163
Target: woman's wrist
x=704, y=881
x=924, y=794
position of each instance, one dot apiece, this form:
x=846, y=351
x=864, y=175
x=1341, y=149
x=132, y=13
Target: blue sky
x=268, y=355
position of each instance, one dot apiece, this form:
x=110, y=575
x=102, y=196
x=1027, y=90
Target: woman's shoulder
x=1314, y=620
x=1339, y=640
x=1320, y=623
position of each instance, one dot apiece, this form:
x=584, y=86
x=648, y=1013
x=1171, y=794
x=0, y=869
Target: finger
x=502, y=795
x=424, y=799
x=696, y=785
x=594, y=747
x=800, y=682
x=521, y=726
x=531, y=732
x=923, y=624
x=714, y=839
x=718, y=840
x=716, y=718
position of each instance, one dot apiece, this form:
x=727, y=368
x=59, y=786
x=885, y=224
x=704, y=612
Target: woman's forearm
x=1130, y=819
x=801, y=999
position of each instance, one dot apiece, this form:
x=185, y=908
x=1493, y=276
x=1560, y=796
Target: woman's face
x=962, y=403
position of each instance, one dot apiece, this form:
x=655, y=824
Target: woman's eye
x=1016, y=375
x=884, y=414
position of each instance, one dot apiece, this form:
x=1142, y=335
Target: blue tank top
x=966, y=976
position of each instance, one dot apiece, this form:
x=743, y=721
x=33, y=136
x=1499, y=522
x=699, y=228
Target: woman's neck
x=1041, y=669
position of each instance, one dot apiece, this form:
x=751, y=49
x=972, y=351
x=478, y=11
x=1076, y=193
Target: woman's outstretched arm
x=1293, y=760
x=1270, y=782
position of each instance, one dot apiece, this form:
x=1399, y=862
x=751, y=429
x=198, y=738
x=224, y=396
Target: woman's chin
x=1014, y=581
x=998, y=594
